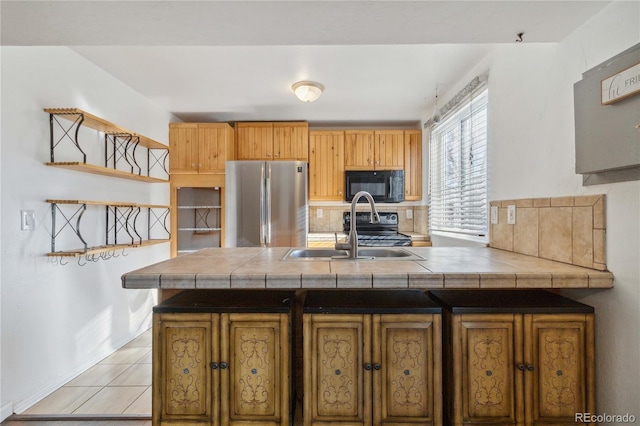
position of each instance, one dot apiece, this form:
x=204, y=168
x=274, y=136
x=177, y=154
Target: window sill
x=450, y=238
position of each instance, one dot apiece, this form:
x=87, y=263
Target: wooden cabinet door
x=254, y=141
x=183, y=148
x=559, y=374
x=255, y=380
x=412, y=165
x=358, y=150
x=389, y=150
x=407, y=370
x=291, y=141
x=485, y=350
x=213, y=144
x=326, y=165
x=337, y=387
x=183, y=385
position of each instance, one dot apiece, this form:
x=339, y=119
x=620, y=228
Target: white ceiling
x=380, y=61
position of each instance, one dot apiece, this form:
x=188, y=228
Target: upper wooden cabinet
x=326, y=165
x=199, y=147
x=374, y=149
x=388, y=149
x=272, y=141
x=291, y=141
x=358, y=150
x=412, y=165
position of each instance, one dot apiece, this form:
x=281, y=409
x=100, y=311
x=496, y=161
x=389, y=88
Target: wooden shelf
x=104, y=171
x=93, y=203
x=103, y=249
x=102, y=125
x=90, y=250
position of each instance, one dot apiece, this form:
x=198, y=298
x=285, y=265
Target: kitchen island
x=436, y=268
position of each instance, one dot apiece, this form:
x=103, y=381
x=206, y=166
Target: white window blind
x=458, y=169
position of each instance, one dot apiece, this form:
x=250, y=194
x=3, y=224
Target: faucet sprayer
x=352, y=243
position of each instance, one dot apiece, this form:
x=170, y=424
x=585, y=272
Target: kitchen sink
x=307, y=253
x=364, y=253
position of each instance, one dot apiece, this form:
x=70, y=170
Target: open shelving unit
x=122, y=228
x=126, y=224
x=121, y=147
x=199, y=219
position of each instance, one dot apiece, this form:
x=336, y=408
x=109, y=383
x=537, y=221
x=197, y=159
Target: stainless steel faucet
x=352, y=242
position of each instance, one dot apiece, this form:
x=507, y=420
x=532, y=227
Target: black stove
x=383, y=234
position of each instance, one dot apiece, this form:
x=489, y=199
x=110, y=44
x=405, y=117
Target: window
x=458, y=170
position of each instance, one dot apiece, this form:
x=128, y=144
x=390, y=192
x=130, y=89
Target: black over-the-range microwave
x=386, y=186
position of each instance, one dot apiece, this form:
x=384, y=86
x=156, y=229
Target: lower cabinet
x=220, y=368
x=510, y=368
x=371, y=369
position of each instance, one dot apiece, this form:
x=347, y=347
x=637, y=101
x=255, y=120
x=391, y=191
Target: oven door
x=386, y=186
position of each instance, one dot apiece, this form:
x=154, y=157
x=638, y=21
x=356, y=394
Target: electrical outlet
x=409, y=213
x=27, y=220
x=494, y=215
x=511, y=214
x=319, y=213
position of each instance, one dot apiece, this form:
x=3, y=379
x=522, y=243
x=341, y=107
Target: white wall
x=531, y=154
x=58, y=320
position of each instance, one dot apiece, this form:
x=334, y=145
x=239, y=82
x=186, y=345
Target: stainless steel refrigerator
x=266, y=204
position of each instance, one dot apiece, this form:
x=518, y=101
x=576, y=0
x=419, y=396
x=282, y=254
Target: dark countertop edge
x=369, y=301
x=228, y=301
x=523, y=301
x=371, y=310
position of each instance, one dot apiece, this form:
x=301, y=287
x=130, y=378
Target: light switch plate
x=494, y=215
x=511, y=214
x=409, y=213
x=319, y=213
x=27, y=220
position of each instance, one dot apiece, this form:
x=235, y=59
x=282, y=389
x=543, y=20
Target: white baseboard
x=5, y=411
x=47, y=389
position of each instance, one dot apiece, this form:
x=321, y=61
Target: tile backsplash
x=331, y=220
x=566, y=229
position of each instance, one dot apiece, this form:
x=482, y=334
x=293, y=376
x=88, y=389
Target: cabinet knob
x=521, y=367
x=193, y=165
x=530, y=367
x=377, y=366
x=368, y=366
x=223, y=365
x=214, y=365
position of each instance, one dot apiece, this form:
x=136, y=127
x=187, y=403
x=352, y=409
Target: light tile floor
x=119, y=384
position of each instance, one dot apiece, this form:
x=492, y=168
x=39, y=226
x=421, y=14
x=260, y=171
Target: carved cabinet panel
x=484, y=369
x=257, y=375
x=563, y=357
x=336, y=388
x=182, y=351
x=522, y=368
x=407, y=349
x=221, y=369
x=372, y=369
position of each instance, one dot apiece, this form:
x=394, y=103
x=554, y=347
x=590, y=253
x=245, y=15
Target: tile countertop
x=442, y=267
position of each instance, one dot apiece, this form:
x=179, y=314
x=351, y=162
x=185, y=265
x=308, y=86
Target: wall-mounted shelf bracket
x=121, y=225
x=121, y=146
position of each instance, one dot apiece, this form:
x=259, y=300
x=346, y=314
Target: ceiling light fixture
x=307, y=91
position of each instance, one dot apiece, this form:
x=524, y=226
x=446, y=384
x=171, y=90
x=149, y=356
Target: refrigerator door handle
x=268, y=206
x=262, y=203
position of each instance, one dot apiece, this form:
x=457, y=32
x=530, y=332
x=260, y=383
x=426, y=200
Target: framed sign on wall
x=621, y=85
